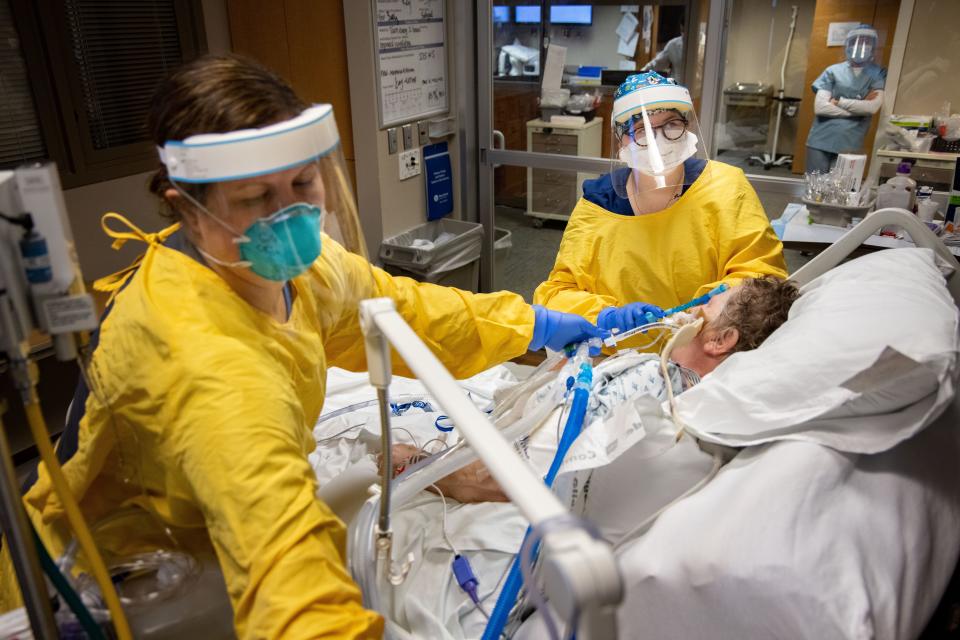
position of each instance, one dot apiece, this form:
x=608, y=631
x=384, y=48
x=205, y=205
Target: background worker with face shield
x=665, y=225
x=848, y=94
x=208, y=370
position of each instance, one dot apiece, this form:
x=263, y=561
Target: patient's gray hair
x=756, y=308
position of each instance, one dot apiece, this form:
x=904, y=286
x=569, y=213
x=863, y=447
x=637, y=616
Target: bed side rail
x=917, y=231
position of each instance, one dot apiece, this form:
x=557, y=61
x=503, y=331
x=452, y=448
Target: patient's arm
x=472, y=483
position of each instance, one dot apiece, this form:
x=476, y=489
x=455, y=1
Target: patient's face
x=693, y=355
x=712, y=310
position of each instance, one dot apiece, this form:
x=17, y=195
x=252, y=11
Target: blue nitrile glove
x=628, y=316
x=556, y=329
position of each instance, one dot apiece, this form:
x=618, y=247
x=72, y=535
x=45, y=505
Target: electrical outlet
x=407, y=130
x=392, y=141
x=410, y=162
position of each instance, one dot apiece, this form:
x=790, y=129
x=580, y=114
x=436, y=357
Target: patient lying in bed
x=736, y=320
x=480, y=524
x=827, y=443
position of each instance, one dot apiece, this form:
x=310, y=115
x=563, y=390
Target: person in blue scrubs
x=848, y=94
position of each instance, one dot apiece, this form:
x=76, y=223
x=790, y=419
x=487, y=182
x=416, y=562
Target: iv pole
x=41, y=289
x=770, y=159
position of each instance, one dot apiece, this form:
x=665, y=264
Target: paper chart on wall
x=627, y=26
x=411, y=60
x=628, y=47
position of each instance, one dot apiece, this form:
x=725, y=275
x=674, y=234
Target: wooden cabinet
x=282, y=35
x=514, y=103
x=551, y=194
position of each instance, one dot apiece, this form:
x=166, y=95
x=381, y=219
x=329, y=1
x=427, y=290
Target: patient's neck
x=693, y=356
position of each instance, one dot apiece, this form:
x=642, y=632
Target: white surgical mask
x=672, y=153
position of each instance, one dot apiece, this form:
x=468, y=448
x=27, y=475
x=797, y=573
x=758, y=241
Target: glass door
x=547, y=72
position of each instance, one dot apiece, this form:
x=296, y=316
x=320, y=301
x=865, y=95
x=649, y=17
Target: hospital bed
x=790, y=539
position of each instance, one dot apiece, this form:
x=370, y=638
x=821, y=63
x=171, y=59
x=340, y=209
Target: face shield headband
x=283, y=244
x=218, y=157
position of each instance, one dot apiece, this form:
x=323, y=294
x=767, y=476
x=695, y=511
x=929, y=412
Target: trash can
x=502, y=244
x=445, y=252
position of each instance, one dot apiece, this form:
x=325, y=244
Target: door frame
x=482, y=156
x=488, y=156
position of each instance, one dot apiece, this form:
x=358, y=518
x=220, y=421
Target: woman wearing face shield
x=665, y=225
x=208, y=370
x=848, y=94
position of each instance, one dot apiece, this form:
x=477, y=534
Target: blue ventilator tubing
x=696, y=302
x=511, y=588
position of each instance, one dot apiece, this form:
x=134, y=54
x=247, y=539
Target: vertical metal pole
x=485, y=212
x=19, y=541
x=386, y=456
x=712, y=72
x=17, y=536
x=379, y=367
x=465, y=63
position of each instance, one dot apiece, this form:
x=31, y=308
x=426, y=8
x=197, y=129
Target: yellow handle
x=39, y=429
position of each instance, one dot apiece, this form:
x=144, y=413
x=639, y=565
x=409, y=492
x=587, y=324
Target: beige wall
x=596, y=45
x=128, y=195
x=387, y=205
x=931, y=59
x=748, y=42
x=749, y=39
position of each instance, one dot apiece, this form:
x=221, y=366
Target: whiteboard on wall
x=410, y=39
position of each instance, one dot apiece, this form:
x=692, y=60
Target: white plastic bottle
x=899, y=191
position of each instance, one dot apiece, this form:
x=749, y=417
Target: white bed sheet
x=790, y=540
x=429, y=603
x=346, y=388
x=795, y=540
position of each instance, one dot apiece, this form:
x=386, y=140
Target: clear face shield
x=655, y=131
x=271, y=203
x=860, y=45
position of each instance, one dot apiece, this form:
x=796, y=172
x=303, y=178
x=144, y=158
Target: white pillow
x=867, y=358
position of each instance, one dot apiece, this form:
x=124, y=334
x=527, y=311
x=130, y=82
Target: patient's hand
x=473, y=483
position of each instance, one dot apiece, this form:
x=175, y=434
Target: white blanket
x=790, y=540
x=795, y=540
x=429, y=603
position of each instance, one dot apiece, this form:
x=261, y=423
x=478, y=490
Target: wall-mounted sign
x=837, y=32
x=411, y=60
x=436, y=159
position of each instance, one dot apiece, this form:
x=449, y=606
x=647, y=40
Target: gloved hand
x=628, y=316
x=556, y=329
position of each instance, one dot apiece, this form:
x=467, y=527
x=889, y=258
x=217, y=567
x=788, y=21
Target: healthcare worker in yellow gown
x=209, y=365
x=665, y=225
